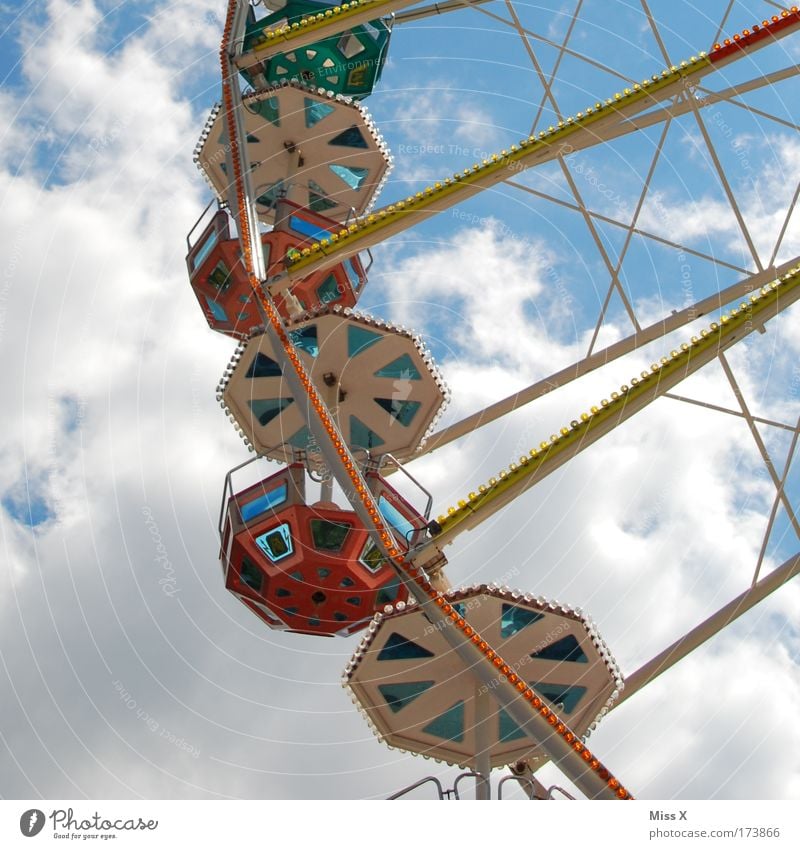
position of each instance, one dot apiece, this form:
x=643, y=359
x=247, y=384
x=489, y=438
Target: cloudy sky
x=127, y=670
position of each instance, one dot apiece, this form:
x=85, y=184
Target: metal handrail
x=227, y=491
x=414, y=786
x=526, y=783
x=475, y=775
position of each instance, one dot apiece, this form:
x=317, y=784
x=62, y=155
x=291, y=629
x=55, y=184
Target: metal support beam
x=436, y=9
x=713, y=625
x=600, y=358
x=483, y=718
x=594, y=126
x=623, y=405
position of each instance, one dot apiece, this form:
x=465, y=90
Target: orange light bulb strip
x=711, y=338
x=757, y=32
x=408, y=570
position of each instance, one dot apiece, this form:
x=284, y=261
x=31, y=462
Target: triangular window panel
x=566, y=648
x=397, y=647
x=329, y=290
x=315, y=112
x=558, y=694
x=318, y=201
x=306, y=339
x=361, y=436
x=401, y=411
x=301, y=439
x=354, y=177
x=402, y=368
x=267, y=409
x=352, y=137
x=508, y=729
x=388, y=594
x=359, y=339
x=263, y=366
x=267, y=108
x=399, y=695
x=217, y=310
x=513, y=619
x=449, y=725
x=251, y=139
x=269, y=195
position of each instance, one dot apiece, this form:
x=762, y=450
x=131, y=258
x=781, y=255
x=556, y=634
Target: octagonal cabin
x=219, y=280
x=311, y=568
x=348, y=63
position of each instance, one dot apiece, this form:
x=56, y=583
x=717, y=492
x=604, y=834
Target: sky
x=126, y=668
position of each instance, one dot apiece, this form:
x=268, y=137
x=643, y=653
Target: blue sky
x=116, y=445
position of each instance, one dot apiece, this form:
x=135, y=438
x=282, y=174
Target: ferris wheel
x=482, y=676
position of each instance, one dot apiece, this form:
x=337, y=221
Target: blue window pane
x=400, y=411
x=558, y=694
x=449, y=725
x=267, y=501
x=514, y=619
x=277, y=543
x=402, y=368
x=395, y=518
x=318, y=201
x=263, y=366
x=307, y=228
x=566, y=648
x=306, y=339
x=359, y=339
x=267, y=409
x=354, y=177
x=269, y=194
x=316, y=111
x=329, y=290
x=352, y=275
x=508, y=730
x=388, y=594
x=216, y=309
x=363, y=437
x=352, y=137
x=208, y=245
x=397, y=647
x=251, y=575
x=267, y=108
x=399, y=695
x=302, y=439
